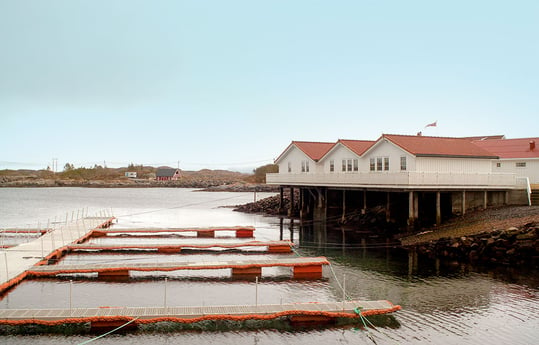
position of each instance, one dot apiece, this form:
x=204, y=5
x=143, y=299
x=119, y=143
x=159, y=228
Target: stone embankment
x=269, y=206
x=512, y=247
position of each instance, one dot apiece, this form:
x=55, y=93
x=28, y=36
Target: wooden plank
x=148, y=246
x=173, y=266
x=187, y=312
x=193, y=229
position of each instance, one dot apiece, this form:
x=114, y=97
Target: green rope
x=110, y=332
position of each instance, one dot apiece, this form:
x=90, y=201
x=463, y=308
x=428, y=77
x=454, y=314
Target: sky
x=229, y=84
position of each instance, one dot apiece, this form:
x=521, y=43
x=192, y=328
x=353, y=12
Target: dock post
x=7, y=270
x=70, y=295
x=256, y=291
x=165, y=298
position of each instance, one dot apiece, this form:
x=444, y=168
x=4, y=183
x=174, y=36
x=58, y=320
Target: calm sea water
x=457, y=305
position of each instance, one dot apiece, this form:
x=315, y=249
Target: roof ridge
x=423, y=136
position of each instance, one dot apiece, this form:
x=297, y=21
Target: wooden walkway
x=303, y=267
x=241, y=231
x=272, y=246
x=339, y=309
x=16, y=260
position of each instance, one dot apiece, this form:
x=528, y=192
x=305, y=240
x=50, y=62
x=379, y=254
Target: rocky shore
x=509, y=247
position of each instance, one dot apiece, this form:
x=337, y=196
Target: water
x=457, y=305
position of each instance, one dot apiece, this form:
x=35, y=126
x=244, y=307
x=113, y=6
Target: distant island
x=140, y=176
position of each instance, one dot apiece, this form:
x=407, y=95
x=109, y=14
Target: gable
x=313, y=150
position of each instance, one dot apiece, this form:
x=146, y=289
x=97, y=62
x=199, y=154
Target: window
x=520, y=164
x=332, y=165
x=498, y=165
x=289, y=167
x=403, y=163
x=304, y=166
x=349, y=165
x=386, y=163
x=371, y=163
x=379, y=163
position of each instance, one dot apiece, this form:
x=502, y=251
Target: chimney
x=532, y=145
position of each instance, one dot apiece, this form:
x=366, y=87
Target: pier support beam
x=463, y=202
x=411, y=211
x=320, y=216
x=485, y=200
x=281, y=199
x=343, y=218
x=364, y=210
x=388, y=207
x=438, y=209
x=291, y=206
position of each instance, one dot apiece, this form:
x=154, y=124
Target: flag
x=431, y=124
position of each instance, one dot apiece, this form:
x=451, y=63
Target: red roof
x=511, y=148
x=438, y=146
x=314, y=150
x=357, y=146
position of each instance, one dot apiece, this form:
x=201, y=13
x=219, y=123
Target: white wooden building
x=465, y=172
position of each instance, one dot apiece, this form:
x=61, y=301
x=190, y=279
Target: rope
x=110, y=332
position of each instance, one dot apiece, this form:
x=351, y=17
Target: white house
x=461, y=172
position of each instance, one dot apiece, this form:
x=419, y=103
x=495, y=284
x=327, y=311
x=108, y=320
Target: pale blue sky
x=228, y=84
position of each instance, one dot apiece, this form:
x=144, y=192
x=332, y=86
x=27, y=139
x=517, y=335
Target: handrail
x=529, y=190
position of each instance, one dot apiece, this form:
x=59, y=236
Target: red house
x=167, y=174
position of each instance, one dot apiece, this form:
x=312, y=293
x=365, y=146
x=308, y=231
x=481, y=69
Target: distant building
x=167, y=174
x=131, y=174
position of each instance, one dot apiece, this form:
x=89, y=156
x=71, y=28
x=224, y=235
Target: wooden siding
x=453, y=165
x=508, y=166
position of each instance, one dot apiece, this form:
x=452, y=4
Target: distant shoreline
x=203, y=185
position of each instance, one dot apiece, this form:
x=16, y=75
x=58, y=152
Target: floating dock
x=241, y=231
x=143, y=315
x=303, y=267
x=16, y=260
x=272, y=246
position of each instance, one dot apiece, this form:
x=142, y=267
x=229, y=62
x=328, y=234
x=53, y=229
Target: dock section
x=345, y=309
x=15, y=261
x=240, y=231
x=303, y=267
x=271, y=246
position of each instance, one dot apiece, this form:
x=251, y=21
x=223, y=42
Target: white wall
x=388, y=149
x=454, y=165
x=339, y=153
x=295, y=156
x=508, y=166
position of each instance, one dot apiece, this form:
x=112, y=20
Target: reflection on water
x=449, y=305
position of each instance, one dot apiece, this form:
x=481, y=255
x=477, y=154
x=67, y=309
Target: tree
x=69, y=167
x=260, y=172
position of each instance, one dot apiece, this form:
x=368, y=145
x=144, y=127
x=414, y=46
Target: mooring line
x=109, y=332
